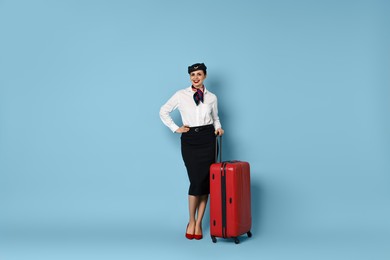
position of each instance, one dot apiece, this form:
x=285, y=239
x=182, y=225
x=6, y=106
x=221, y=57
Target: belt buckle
x=197, y=129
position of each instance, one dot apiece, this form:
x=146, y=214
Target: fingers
x=185, y=128
x=219, y=131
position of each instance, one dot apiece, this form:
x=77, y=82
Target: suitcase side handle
x=218, y=146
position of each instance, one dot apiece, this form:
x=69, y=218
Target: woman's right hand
x=183, y=129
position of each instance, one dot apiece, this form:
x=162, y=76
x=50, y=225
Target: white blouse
x=205, y=113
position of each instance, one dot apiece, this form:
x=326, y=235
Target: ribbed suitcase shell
x=230, y=200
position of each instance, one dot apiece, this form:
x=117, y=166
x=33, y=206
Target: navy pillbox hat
x=197, y=66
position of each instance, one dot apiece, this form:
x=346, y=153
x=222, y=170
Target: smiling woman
x=199, y=113
x=197, y=78
x=303, y=92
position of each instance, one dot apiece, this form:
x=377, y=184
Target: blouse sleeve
x=165, y=111
x=214, y=114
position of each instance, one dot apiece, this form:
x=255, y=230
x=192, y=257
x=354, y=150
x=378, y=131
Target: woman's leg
x=193, y=202
x=201, y=210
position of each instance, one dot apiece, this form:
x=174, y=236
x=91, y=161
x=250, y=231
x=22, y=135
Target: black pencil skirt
x=198, y=151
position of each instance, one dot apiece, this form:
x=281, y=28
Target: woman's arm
x=165, y=111
x=217, y=123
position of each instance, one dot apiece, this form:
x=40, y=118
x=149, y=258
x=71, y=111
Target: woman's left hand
x=219, y=131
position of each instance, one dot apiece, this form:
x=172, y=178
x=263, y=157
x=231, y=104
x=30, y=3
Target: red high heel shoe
x=198, y=237
x=189, y=236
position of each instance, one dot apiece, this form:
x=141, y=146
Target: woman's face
x=197, y=77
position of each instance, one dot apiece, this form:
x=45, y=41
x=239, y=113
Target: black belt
x=198, y=129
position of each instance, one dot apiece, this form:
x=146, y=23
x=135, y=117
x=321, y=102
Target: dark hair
x=197, y=66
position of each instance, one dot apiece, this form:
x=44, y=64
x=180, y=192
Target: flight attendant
x=198, y=108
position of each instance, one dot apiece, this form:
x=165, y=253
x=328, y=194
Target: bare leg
x=201, y=210
x=193, y=202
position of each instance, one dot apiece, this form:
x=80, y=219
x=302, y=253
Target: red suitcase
x=230, y=199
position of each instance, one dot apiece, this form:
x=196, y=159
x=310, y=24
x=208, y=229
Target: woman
x=199, y=113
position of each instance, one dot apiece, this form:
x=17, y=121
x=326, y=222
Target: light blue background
x=88, y=171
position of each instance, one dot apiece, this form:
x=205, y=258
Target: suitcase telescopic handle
x=218, y=145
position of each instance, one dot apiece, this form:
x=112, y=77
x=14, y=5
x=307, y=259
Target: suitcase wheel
x=236, y=240
x=214, y=239
x=249, y=234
